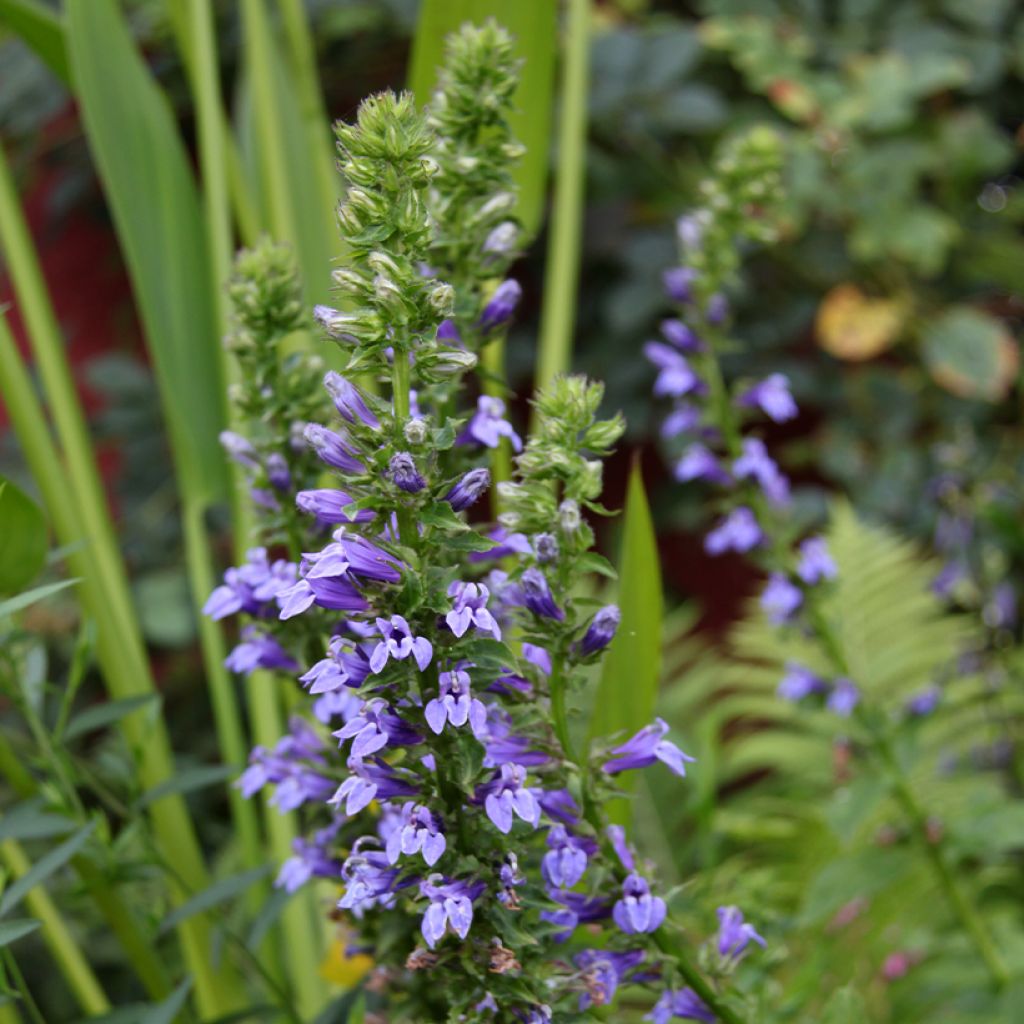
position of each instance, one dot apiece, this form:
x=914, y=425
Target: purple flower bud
x=780, y=599
x=798, y=682
x=685, y=1004
x=924, y=703
x=617, y=837
x=678, y=283
x=681, y=419
x=601, y=630
x=501, y=306
x=502, y=238
x=717, y=309
x=772, y=397
x=333, y=449
x=637, y=911
x=538, y=656
x=735, y=934
x=331, y=506
x=699, y=463
x=675, y=377
x=239, y=449
x=738, y=531
x=468, y=489
x=536, y=595
x=447, y=331
x=349, y=400
x=815, y=563
x=404, y=474
x=677, y=333
x=646, y=747
x=755, y=463
x=845, y=696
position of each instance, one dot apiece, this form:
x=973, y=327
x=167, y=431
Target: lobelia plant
x=435, y=764
x=709, y=433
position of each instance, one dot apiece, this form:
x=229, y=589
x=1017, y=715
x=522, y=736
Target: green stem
x=400, y=400
x=76, y=506
x=22, y=986
x=563, y=256
x=697, y=982
x=73, y=966
x=556, y=688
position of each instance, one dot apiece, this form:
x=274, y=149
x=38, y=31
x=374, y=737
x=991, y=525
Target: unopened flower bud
x=569, y=515
x=415, y=431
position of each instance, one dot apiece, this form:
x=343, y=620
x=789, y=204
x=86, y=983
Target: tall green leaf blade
x=22, y=538
x=153, y=197
x=49, y=863
x=628, y=687
x=41, y=30
x=534, y=24
x=220, y=892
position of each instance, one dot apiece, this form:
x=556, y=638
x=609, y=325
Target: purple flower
x=333, y=448
x=510, y=878
x=678, y=334
x=735, y=934
x=239, y=449
x=646, y=747
x=277, y=471
x=603, y=971
x=404, y=474
x=310, y=858
x=505, y=544
x=545, y=546
x=566, y=860
x=617, y=837
x=375, y=727
x=576, y=908
x=331, y=506
x=470, y=609
x=259, y=650
x=536, y=595
x=681, y=419
x=559, y=805
x=738, y=531
x=334, y=322
x=601, y=630
x=699, y=463
x=252, y=587
x=371, y=780
x=370, y=881
x=397, y=641
x=924, y=703
x=678, y=282
x=343, y=704
x=488, y=425
x=349, y=554
x=675, y=378
x=815, y=563
x=780, y=599
x=537, y=656
x=756, y=463
x=293, y=766
x=508, y=795
x=419, y=831
x=501, y=744
x=690, y=228
x=346, y=664
x=336, y=593
x=451, y=904
x=772, y=397
x=798, y=682
x=456, y=705
x=349, y=400
x=684, y=1003
x=637, y=911
x=501, y=305
x=845, y=696
x=717, y=308
x=468, y=489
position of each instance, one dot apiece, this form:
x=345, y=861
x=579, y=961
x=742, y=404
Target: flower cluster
x=437, y=766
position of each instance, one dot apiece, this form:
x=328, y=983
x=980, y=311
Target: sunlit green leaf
x=22, y=538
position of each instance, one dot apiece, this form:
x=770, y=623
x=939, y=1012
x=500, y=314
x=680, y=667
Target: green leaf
x=628, y=687
x=187, y=781
x=28, y=821
x=101, y=715
x=15, y=604
x=534, y=26
x=969, y=353
x=165, y=1012
x=50, y=862
x=11, y=931
x=148, y=182
x=219, y=892
x=41, y=30
x=22, y=538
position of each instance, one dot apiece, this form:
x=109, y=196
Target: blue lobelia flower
x=646, y=747
x=536, y=595
x=603, y=971
x=372, y=780
x=397, y=641
x=488, y=425
x=404, y=474
x=738, y=531
x=330, y=505
x=469, y=608
x=798, y=682
x=333, y=448
x=755, y=463
x=346, y=664
x=376, y=727
x=681, y=419
x=602, y=629
x=456, y=705
x=566, y=859
x=469, y=489
x=451, y=905
x=772, y=397
x=735, y=934
x=501, y=305
x=419, y=831
x=637, y=911
x=815, y=563
x=678, y=283
x=698, y=462
x=845, y=696
x=683, y=1003
x=780, y=599
x=677, y=333
x=675, y=376
x=349, y=400
x=351, y=554
x=507, y=795
x=252, y=587
x=258, y=650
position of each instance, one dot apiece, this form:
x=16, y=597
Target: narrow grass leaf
x=28, y=821
x=42, y=30
x=22, y=538
x=102, y=715
x=49, y=863
x=149, y=185
x=165, y=1012
x=29, y=597
x=11, y=931
x=188, y=781
x=534, y=24
x=220, y=892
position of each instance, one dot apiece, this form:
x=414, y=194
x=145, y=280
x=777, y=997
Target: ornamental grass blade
x=42, y=30
x=157, y=213
x=22, y=538
x=628, y=688
x=534, y=26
